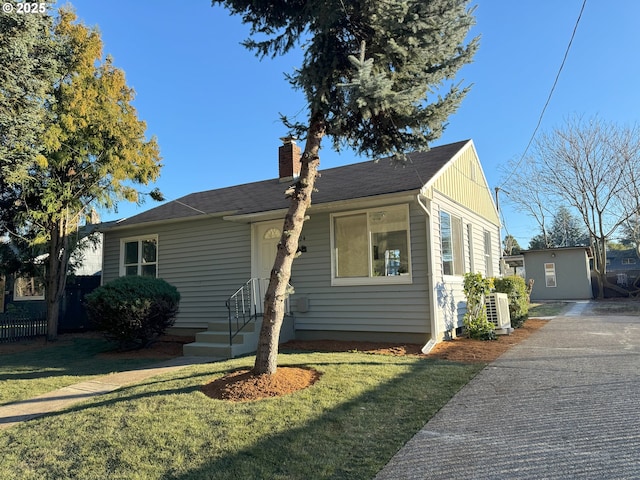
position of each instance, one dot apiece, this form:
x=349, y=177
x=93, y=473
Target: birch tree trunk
x=274, y=302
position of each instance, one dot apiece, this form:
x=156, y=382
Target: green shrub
x=516, y=290
x=133, y=311
x=476, y=323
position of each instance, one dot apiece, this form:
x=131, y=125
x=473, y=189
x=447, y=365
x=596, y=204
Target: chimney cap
x=288, y=139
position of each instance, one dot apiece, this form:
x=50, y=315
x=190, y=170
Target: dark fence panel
x=16, y=326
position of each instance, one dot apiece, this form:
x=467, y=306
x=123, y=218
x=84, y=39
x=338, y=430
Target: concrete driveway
x=563, y=404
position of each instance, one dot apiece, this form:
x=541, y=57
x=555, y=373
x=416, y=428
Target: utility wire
x=566, y=54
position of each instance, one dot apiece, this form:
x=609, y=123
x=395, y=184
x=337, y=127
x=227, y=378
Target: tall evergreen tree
x=377, y=78
x=567, y=230
x=511, y=245
x=27, y=73
x=94, y=152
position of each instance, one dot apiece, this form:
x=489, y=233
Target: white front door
x=266, y=236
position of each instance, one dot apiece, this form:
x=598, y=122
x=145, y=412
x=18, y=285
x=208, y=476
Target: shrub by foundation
x=133, y=311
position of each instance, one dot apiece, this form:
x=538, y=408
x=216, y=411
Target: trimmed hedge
x=516, y=290
x=133, y=311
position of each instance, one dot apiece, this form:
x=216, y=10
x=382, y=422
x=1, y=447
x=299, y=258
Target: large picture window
x=451, y=244
x=371, y=246
x=139, y=256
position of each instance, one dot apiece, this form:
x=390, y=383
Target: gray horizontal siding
x=206, y=259
x=376, y=308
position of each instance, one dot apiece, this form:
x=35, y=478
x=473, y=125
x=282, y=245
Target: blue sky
x=214, y=107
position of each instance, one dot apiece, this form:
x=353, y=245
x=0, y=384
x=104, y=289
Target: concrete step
x=217, y=337
x=202, y=349
x=223, y=326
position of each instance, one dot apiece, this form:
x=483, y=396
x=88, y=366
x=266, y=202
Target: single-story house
x=623, y=270
x=384, y=249
x=559, y=273
x=27, y=293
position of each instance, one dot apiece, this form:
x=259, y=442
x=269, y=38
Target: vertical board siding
x=374, y=308
x=464, y=182
x=205, y=259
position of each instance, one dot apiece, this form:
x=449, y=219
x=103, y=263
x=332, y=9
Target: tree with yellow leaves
x=94, y=152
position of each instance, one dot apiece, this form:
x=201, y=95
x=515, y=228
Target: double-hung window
x=139, y=256
x=371, y=246
x=488, y=256
x=451, y=244
x=550, y=275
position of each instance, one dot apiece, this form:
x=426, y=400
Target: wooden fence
x=14, y=327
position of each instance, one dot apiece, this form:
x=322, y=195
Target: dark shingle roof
x=358, y=180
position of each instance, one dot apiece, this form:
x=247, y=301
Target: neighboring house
x=384, y=249
x=559, y=273
x=27, y=293
x=623, y=269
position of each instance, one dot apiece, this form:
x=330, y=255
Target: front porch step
x=223, y=326
x=209, y=336
x=214, y=342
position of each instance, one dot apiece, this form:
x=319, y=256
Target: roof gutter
x=433, y=319
x=338, y=205
x=130, y=226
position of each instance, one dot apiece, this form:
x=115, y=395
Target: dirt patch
x=242, y=385
x=167, y=346
x=468, y=351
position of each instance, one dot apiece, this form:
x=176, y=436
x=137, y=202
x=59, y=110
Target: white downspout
x=433, y=312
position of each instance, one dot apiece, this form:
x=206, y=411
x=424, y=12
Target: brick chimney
x=288, y=159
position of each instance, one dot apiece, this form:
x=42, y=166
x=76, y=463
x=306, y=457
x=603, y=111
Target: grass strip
x=30, y=373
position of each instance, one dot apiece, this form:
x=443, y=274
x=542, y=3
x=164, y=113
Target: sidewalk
x=57, y=400
x=562, y=404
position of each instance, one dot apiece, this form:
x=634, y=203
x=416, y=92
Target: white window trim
x=470, y=247
x=382, y=280
x=20, y=298
x=138, y=239
x=550, y=273
x=488, y=255
x=453, y=276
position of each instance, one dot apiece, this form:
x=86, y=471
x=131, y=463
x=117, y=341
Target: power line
x=553, y=87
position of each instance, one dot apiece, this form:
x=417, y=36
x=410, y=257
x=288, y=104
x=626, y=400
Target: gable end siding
x=464, y=183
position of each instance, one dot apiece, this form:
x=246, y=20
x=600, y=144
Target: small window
x=470, y=246
x=371, y=246
x=550, y=275
x=628, y=261
x=28, y=288
x=451, y=244
x=488, y=256
x=139, y=257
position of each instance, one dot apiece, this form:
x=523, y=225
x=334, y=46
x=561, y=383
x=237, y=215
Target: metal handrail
x=246, y=305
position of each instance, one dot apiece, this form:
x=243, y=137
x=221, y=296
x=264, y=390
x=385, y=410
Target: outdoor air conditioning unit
x=498, y=312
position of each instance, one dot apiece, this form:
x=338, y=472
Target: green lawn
x=28, y=374
x=346, y=426
x=616, y=306
x=547, y=309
